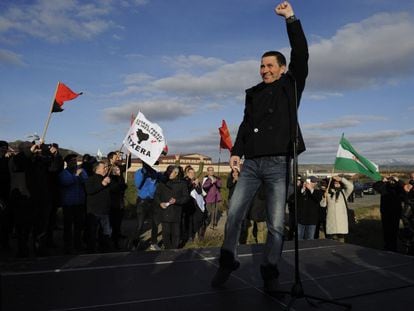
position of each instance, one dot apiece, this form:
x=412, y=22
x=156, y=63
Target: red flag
x=63, y=93
x=225, y=139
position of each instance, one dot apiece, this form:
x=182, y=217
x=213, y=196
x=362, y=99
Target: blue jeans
x=306, y=232
x=272, y=172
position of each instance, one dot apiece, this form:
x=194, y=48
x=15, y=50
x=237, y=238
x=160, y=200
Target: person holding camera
x=211, y=185
x=335, y=201
x=47, y=165
x=72, y=188
x=309, y=198
x=392, y=196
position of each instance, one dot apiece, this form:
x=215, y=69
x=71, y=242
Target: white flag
x=99, y=154
x=145, y=139
x=348, y=159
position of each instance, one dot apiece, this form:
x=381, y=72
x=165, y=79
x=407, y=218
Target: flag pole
x=126, y=167
x=215, y=199
x=330, y=180
x=129, y=152
x=49, y=116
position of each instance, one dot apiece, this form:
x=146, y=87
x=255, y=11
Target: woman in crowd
x=195, y=211
x=335, y=201
x=171, y=196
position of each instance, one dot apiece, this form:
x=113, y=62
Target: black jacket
x=392, y=196
x=309, y=206
x=98, y=200
x=177, y=189
x=117, y=190
x=270, y=110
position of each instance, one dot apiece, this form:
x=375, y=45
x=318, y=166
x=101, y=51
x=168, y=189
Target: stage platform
x=180, y=280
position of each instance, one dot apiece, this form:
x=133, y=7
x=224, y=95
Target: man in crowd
x=72, y=185
x=5, y=210
x=392, y=197
x=146, y=180
x=98, y=204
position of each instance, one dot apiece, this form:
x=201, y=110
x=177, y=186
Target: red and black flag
x=225, y=139
x=63, y=93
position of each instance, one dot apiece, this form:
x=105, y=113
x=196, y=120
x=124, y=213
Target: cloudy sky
x=186, y=63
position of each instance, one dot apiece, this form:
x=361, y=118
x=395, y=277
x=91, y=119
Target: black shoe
x=222, y=275
x=227, y=265
x=270, y=275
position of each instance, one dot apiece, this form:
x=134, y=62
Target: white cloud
x=155, y=110
x=137, y=78
x=343, y=122
x=321, y=95
x=60, y=20
x=193, y=61
x=56, y=21
x=373, y=51
x=229, y=79
x=9, y=57
x=359, y=55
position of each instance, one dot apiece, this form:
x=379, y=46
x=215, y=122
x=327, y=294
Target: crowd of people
x=178, y=204
x=36, y=181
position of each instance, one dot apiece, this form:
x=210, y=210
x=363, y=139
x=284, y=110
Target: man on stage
x=265, y=140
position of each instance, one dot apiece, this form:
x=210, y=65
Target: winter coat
x=72, y=187
x=212, y=190
x=309, y=206
x=392, y=196
x=117, y=190
x=268, y=123
x=171, y=189
x=98, y=199
x=146, y=180
x=231, y=185
x=337, y=213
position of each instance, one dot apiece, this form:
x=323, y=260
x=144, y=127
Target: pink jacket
x=212, y=190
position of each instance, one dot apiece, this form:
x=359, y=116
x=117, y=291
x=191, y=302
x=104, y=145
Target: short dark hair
x=110, y=155
x=280, y=58
x=69, y=157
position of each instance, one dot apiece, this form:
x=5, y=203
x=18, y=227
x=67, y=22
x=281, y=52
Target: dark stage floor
x=180, y=280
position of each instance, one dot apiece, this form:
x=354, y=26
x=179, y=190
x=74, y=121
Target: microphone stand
x=297, y=291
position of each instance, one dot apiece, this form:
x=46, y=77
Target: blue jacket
x=146, y=189
x=72, y=187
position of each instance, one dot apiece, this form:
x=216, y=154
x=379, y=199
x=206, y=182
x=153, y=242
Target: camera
x=45, y=147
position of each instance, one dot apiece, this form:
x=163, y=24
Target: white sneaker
x=154, y=247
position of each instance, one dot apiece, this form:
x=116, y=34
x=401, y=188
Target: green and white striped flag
x=347, y=159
